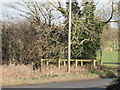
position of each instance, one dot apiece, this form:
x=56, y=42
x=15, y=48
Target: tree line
x=38, y=37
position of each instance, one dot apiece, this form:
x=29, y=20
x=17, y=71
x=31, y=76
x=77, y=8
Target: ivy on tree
x=86, y=29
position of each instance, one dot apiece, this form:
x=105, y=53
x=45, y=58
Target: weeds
x=24, y=72
x=18, y=74
x=103, y=72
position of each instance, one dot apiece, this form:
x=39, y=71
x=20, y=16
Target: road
x=94, y=83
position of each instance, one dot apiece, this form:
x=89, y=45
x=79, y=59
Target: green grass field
x=110, y=58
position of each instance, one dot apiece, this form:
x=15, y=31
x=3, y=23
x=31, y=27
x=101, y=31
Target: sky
x=4, y=9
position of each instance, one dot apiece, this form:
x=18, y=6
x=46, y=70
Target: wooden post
x=47, y=63
x=100, y=57
x=59, y=63
x=117, y=44
x=41, y=62
x=64, y=63
x=76, y=64
x=94, y=63
x=114, y=45
x=81, y=63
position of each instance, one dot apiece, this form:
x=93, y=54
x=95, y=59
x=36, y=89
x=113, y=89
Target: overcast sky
x=4, y=9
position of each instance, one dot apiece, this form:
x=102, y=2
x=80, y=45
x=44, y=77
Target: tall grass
x=24, y=74
x=26, y=71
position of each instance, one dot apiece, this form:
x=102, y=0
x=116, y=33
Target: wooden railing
x=65, y=60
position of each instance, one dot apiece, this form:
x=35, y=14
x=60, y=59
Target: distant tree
x=108, y=36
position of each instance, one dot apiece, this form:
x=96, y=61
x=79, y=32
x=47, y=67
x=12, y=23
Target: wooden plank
x=63, y=59
x=85, y=60
x=52, y=60
x=66, y=60
x=45, y=59
x=72, y=59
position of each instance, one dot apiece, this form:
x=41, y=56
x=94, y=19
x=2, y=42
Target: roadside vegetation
x=115, y=85
x=26, y=42
x=24, y=74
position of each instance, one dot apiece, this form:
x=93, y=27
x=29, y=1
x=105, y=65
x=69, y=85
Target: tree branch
x=111, y=15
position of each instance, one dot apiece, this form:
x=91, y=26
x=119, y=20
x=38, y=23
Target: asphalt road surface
x=94, y=83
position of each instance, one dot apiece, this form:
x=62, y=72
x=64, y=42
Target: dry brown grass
x=13, y=75
x=19, y=71
x=26, y=71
